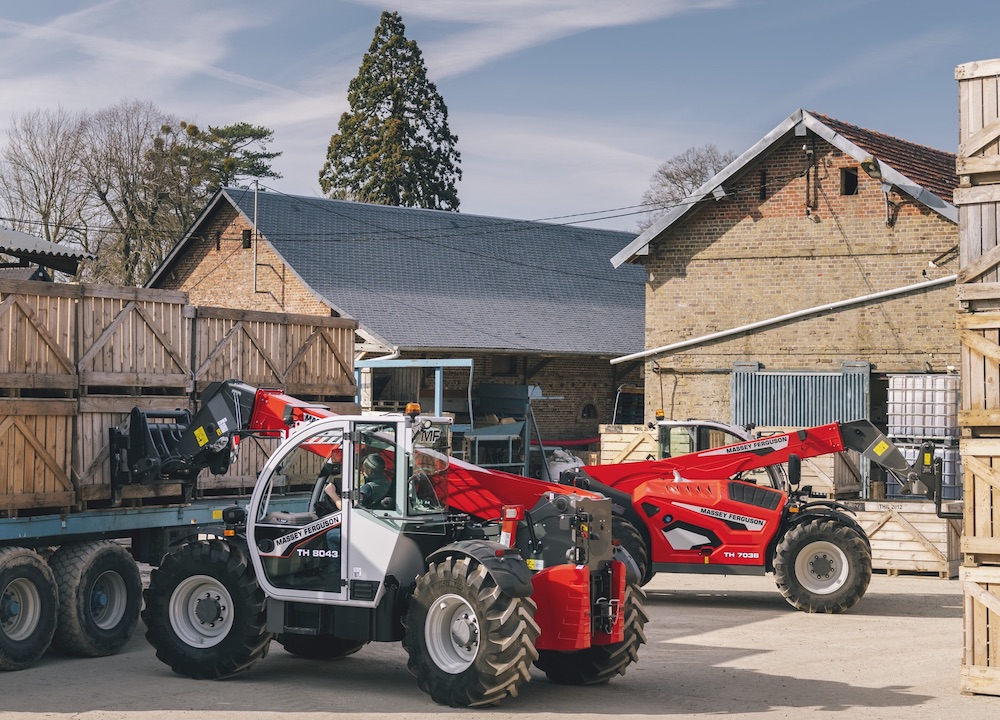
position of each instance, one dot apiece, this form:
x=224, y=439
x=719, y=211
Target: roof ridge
x=401, y=208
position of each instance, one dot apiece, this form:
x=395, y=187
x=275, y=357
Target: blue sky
x=562, y=107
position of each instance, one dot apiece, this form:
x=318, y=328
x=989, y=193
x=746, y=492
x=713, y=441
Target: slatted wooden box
x=981, y=657
x=38, y=327
x=628, y=443
x=909, y=537
x=133, y=337
x=35, y=455
x=981, y=478
x=304, y=354
x=92, y=457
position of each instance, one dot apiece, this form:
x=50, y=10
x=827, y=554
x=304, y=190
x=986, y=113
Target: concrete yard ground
x=726, y=646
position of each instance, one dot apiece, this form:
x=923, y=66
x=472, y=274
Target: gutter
x=683, y=344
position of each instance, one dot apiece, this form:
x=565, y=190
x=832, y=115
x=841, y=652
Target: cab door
x=295, y=529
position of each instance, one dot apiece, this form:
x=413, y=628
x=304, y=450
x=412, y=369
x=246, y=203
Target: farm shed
x=533, y=304
x=791, y=286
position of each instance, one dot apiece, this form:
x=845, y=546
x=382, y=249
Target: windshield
x=428, y=473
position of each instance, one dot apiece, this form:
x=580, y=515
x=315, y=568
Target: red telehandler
x=703, y=512
x=479, y=574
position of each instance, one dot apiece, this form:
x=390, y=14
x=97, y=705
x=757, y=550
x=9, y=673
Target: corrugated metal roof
x=430, y=279
x=41, y=252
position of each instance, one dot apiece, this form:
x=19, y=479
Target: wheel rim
x=108, y=600
x=20, y=609
x=201, y=611
x=821, y=568
x=452, y=633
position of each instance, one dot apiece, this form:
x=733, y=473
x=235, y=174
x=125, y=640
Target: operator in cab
x=375, y=488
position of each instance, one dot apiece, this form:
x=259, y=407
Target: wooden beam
x=979, y=418
x=978, y=291
x=538, y=367
x=977, y=69
x=980, y=139
x=980, y=344
x=977, y=194
x=978, y=165
x=983, y=264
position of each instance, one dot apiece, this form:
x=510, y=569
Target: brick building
x=530, y=303
x=822, y=251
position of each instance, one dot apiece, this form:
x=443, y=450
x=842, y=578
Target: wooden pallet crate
x=134, y=337
x=627, y=443
x=92, y=457
x=35, y=454
x=981, y=657
x=908, y=537
x=981, y=480
x=304, y=354
x=37, y=322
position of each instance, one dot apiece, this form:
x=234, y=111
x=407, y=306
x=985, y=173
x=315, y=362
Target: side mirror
x=794, y=470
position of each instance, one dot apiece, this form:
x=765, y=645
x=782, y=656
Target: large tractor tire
x=205, y=612
x=822, y=566
x=29, y=604
x=319, y=647
x=632, y=540
x=596, y=665
x=100, y=596
x=469, y=643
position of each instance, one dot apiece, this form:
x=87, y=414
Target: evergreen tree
x=393, y=146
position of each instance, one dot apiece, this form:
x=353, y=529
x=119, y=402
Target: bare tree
x=680, y=176
x=122, y=183
x=41, y=186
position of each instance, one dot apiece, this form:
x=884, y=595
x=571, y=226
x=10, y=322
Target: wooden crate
x=35, y=451
x=134, y=337
x=981, y=479
x=909, y=537
x=981, y=656
x=92, y=457
x=628, y=443
x=978, y=290
x=303, y=354
x=37, y=323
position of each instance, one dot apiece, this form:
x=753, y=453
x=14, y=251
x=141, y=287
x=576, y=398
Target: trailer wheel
x=319, y=647
x=597, y=664
x=822, y=566
x=29, y=603
x=631, y=539
x=100, y=596
x=469, y=643
x=205, y=611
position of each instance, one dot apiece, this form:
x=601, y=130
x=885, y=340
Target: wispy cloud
x=492, y=30
x=107, y=47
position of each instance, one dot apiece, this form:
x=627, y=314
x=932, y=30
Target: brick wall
x=216, y=270
x=741, y=260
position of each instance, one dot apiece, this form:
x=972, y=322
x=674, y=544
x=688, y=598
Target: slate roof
x=926, y=175
x=41, y=252
x=437, y=280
